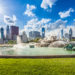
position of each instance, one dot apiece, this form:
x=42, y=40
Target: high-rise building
x=62, y=32
x=43, y=32
x=34, y=34
x=24, y=37
x=7, y=33
x=70, y=34
x=14, y=32
x=2, y=33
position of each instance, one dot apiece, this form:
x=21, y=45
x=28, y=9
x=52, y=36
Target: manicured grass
x=63, y=66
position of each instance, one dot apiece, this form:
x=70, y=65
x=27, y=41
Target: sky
x=35, y=14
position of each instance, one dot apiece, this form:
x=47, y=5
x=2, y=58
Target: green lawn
x=63, y=66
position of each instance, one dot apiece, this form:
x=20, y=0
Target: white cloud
x=35, y=24
x=55, y=27
x=57, y=32
x=14, y=18
x=66, y=30
x=47, y=3
x=65, y=14
x=44, y=21
x=74, y=20
x=10, y=20
x=57, y=24
x=51, y=28
x=29, y=9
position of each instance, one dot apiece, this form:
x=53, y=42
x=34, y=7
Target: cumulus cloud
x=55, y=27
x=51, y=28
x=47, y=3
x=57, y=31
x=10, y=20
x=29, y=9
x=66, y=30
x=57, y=24
x=35, y=24
x=65, y=14
x=14, y=18
x=74, y=20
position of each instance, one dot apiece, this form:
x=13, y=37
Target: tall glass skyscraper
x=70, y=34
x=7, y=33
x=43, y=32
x=2, y=32
x=62, y=33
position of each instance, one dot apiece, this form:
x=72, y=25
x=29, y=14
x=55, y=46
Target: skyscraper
x=14, y=32
x=7, y=33
x=43, y=32
x=2, y=33
x=24, y=37
x=70, y=34
x=62, y=32
x=34, y=35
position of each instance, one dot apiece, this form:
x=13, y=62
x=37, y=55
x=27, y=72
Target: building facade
x=2, y=33
x=62, y=34
x=14, y=32
x=70, y=34
x=24, y=37
x=34, y=34
x=43, y=32
x=8, y=37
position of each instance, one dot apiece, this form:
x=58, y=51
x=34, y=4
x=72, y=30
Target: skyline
x=31, y=14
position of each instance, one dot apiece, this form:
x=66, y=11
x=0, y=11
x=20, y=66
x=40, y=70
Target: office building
x=8, y=37
x=2, y=33
x=62, y=32
x=70, y=34
x=43, y=32
x=34, y=35
x=66, y=36
x=24, y=37
x=14, y=32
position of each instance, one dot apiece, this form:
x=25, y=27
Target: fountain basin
x=44, y=51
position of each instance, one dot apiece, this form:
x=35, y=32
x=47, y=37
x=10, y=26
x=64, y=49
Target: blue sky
x=52, y=12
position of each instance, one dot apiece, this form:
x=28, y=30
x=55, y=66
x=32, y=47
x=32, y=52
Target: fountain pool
x=21, y=49
x=34, y=51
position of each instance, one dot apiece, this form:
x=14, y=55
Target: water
x=34, y=51
x=19, y=40
x=25, y=50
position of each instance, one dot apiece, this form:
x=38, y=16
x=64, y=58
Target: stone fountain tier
x=58, y=44
x=51, y=42
x=48, y=39
x=42, y=44
x=46, y=42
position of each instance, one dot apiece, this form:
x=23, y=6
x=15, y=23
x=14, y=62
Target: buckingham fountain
x=46, y=42
x=46, y=46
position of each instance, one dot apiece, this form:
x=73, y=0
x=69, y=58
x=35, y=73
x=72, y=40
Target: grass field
x=63, y=66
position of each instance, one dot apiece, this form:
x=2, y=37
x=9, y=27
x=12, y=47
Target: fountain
x=29, y=50
x=19, y=40
x=19, y=43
